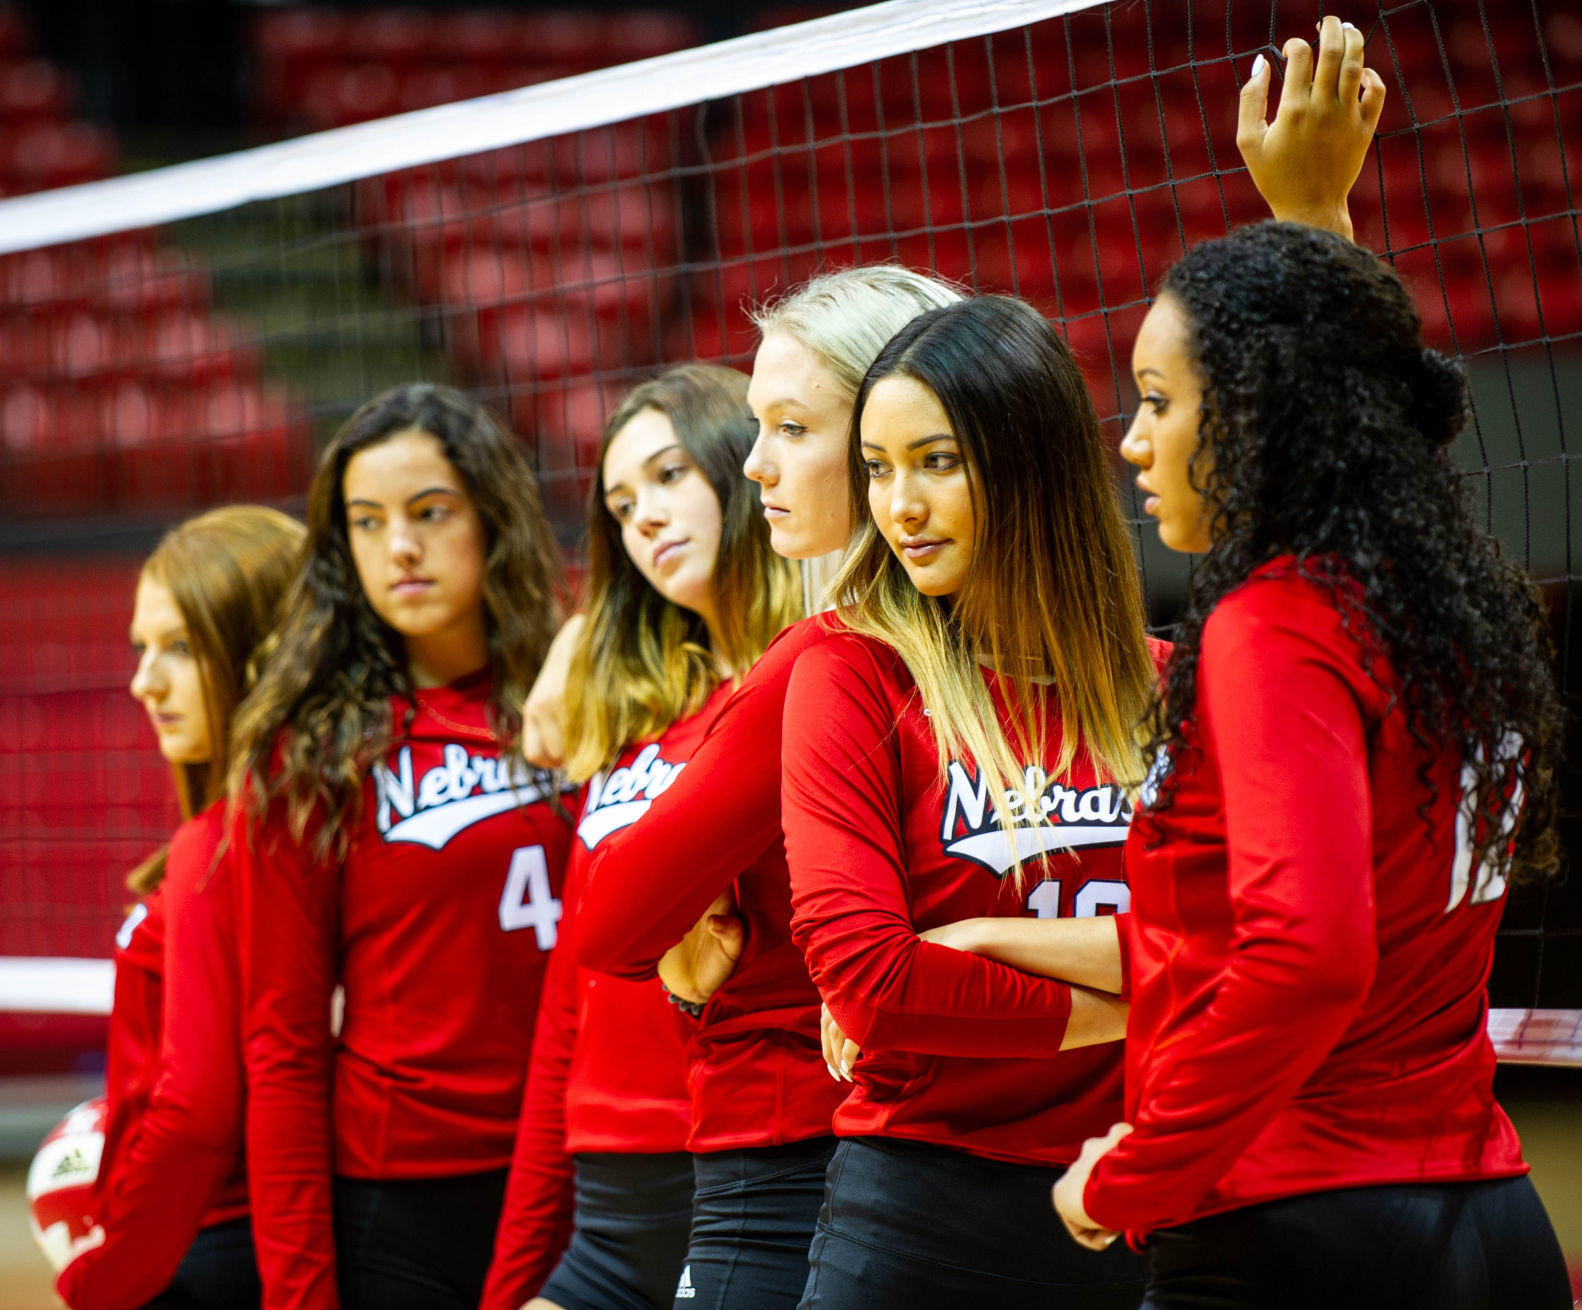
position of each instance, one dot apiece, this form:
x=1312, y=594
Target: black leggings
x=219, y=1272
x=752, y=1219
x=416, y=1244
x=909, y=1226
x=1446, y=1246
x=633, y=1216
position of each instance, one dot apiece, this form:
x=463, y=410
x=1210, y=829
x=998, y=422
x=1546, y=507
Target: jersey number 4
x=528, y=900
x=1096, y=896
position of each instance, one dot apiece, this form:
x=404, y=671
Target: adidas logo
x=684, y=1289
x=71, y=1164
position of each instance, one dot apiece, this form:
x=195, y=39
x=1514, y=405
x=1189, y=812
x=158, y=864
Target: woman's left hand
x=699, y=964
x=1072, y=1184
x=840, y=1052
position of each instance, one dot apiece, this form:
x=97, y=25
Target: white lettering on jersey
x=528, y=901
x=684, y=1289
x=621, y=797
x=135, y=916
x=1096, y=896
x=1148, y=793
x=1048, y=816
x=463, y=790
x=1490, y=882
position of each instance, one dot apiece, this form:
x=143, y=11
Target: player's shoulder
x=851, y=668
x=791, y=641
x=196, y=848
x=841, y=647
x=786, y=651
x=1284, y=594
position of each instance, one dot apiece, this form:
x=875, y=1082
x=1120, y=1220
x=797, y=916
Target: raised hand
x=1305, y=163
x=543, y=740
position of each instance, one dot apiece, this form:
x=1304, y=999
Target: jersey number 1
x=1044, y=899
x=528, y=900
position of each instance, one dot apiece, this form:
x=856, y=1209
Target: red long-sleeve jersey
x=609, y=1059
x=957, y=1050
x=172, y=1160
x=438, y=925
x=755, y=1069
x=1309, y=958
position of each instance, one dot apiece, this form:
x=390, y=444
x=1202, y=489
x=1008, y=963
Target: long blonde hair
x=845, y=318
x=1052, y=594
x=643, y=662
x=227, y=571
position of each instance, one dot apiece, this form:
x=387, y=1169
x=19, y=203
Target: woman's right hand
x=701, y=962
x=544, y=711
x=1305, y=163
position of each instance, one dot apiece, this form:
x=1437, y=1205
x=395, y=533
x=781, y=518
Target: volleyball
x=60, y=1181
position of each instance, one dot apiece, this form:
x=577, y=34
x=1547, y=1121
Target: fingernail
x=1348, y=27
x=832, y=1072
x=846, y=1069
x=1258, y=66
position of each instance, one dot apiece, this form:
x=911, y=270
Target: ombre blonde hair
x=227, y=570
x=1051, y=599
x=845, y=318
x=643, y=662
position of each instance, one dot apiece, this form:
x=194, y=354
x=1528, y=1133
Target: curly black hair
x=1325, y=424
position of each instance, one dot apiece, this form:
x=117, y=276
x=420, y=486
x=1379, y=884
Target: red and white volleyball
x=60, y=1182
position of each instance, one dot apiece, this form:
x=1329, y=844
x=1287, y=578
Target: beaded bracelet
x=694, y=1008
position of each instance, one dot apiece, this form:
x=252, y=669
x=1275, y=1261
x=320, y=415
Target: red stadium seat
x=35, y=89
x=566, y=36
x=641, y=34
x=301, y=32
x=423, y=88
x=46, y=154
x=387, y=36
x=478, y=37
x=337, y=96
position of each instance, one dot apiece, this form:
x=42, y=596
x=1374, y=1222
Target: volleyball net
x=188, y=336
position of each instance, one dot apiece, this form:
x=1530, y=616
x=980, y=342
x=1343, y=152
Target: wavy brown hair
x=1324, y=434
x=320, y=712
x=643, y=662
x=227, y=571
x=1052, y=592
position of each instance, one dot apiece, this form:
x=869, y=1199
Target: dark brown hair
x=321, y=710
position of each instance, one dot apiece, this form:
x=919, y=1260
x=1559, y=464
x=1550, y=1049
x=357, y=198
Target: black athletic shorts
x=634, y=1213
x=219, y=1272
x=1446, y=1246
x=753, y=1213
x=416, y=1243
x=909, y=1226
